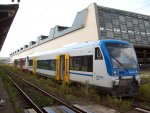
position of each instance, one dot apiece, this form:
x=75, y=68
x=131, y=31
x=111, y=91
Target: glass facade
x=123, y=25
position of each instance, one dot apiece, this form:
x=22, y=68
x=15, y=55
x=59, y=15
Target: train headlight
x=137, y=72
x=115, y=73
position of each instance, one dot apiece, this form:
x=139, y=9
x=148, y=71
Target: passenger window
x=98, y=55
x=30, y=62
x=82, y=63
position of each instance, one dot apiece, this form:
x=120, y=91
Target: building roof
x=7, y=14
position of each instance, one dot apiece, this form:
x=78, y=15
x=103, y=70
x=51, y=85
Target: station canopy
x=7, y=14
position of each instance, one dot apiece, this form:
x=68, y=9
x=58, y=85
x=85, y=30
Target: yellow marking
x=34, y=65
x=66, y=76
x=58, y=67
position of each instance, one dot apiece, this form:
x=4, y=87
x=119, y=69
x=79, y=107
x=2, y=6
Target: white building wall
x=87, y=33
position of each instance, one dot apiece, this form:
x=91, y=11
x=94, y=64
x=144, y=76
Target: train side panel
x=45, y=72
x=101, y=77
x=77, y=74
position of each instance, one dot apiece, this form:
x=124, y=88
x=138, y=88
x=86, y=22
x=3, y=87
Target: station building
x=96, y=23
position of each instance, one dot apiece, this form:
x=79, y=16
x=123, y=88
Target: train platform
x=5, y=104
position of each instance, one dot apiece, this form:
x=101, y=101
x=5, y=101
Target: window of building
x=121, y=18
x=146, y=23
x=132, y=41
x=124, y=36
x=148, y=32
x=145, y=42
x=140, y=21
x=103, y=34
x=123, y=28
x=135, y=21
x=124, y=25
x=107, y=16
x=109, y=34
x=101, y=20
x=114, y=15
x=102, y=29
x=118, y=37
x=130, y=32
x=141, y=26
x=82, y=63
x=100, y=13
x=30, y=62
x=98, y=55
x=117, y=30
x=108, y=25
x=136, y=30
x=115, y=22
x=143, y=34
x=128, y=18
x=138, y=38
x=129, y=24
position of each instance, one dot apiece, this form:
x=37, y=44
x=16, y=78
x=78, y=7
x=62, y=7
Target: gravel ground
x=5, y=107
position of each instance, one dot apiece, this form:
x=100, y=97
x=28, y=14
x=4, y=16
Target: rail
x=72, y=107
x=26, y=96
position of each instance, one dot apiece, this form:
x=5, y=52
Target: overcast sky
x=36, y=17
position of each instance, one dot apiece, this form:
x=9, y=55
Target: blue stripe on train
x=81, y=74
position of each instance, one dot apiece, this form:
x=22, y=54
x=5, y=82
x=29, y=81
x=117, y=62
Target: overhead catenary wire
x=142, y=7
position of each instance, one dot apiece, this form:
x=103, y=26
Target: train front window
x=122, y=56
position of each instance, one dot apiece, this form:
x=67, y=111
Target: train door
x=34, y=65
x=58, y=67
x=67, y=65
x=62, y=67
x=97, y=66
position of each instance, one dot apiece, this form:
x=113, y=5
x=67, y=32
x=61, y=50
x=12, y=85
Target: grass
x=12, y=92
x=119, y=104
x=83, y=94
x=145, y=76
x=144, y=93
x=41, y=100
x=144, y=90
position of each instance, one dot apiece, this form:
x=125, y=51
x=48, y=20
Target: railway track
x=13, y=75
x=143, y=109
x=75, y=108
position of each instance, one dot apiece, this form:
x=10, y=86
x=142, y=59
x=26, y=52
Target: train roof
x=78, y=46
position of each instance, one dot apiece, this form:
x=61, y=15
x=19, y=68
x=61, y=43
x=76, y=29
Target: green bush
x=144, y=92
x=12, y=92
x=119, y=104
x=80, y=94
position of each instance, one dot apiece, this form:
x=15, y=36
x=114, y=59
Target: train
x=108, y=65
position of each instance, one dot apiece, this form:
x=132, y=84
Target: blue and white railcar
x=107, y=64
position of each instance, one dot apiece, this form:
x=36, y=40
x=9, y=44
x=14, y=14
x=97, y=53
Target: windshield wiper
x=119, y=62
